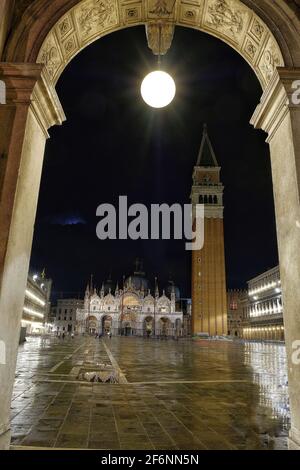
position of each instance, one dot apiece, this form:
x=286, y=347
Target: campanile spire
x=209, y=304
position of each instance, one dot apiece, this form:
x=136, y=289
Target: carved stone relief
x=250, y=49
x=159, y=37
x=230, y=20
x=70, y=45
x=228, y=17
x=257, y=30
x=270, y=59
x=64, y=27
x=93, y=16
x=190, y=13
x=51, y=56
x=160, y=9
x=132, y=13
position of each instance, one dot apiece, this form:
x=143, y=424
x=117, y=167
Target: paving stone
x=180, y=395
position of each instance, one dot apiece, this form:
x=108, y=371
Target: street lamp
x=158, y=89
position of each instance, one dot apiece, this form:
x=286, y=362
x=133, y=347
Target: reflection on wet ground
x=268, y=364
x=174, y=395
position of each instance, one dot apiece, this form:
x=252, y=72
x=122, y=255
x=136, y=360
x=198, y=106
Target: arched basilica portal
x=38, y=38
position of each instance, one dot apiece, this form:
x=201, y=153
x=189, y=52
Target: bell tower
x=209, y=303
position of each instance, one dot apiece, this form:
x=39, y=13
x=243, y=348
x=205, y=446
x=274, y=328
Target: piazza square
x=149, y=228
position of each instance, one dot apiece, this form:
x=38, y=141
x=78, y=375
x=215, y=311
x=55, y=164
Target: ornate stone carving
x=257, y=30
x=250, y=49
x=69, y=45
x=230, y=20
x=270, y=60
x=190, y=12
x=50, y=56
x=96, y=14
x=159, y=36
x=64, y=27
x=161, y=9
x=132, y=13
x=223, y=17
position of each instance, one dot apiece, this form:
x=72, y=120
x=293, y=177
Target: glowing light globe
x=158, y=89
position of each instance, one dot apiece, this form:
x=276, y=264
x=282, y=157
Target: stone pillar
x=32, y=106
x=279, y=115
x=6, y=14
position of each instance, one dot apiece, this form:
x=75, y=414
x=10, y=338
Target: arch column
x=32, y=106
x=280, y=118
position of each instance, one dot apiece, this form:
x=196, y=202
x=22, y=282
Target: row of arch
x=264, y=333
x=208, y=199
x=161, y=326
x=270, y=307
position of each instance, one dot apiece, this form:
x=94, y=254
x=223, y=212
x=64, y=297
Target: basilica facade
x=132, y=310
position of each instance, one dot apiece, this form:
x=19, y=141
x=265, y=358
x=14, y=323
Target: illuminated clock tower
x=209, y=303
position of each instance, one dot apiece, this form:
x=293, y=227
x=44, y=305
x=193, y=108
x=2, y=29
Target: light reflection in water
x=269, y=365
x=33, y=355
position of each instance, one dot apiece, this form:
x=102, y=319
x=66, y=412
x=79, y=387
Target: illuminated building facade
x=236, y=301
x=132, y=310
x=263, y=314
x=64, y=315
x=36, y=309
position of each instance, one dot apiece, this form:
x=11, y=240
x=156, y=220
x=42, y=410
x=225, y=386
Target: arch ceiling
x=229, y=20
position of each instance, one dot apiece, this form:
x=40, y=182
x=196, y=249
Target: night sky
x=113, y=144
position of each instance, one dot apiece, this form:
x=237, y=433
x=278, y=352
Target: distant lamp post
x=158, y=89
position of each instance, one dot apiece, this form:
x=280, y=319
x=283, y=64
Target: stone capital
x=30, y=85
x=276, y=101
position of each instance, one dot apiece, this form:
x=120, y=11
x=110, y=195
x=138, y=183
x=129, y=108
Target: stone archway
x=52, y=33
x=92, y=325
x=178, y=327
x=128, y=323
x=165, y=327
x=106, y=325
x=148, y=329
x=229, y=20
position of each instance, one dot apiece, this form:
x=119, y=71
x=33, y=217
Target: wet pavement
x=174, y=395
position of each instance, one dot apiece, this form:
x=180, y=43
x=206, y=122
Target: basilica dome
x=109, y=286
x=169, y=289
x=137, y=282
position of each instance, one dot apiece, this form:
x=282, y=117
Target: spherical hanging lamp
x=158, y=88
